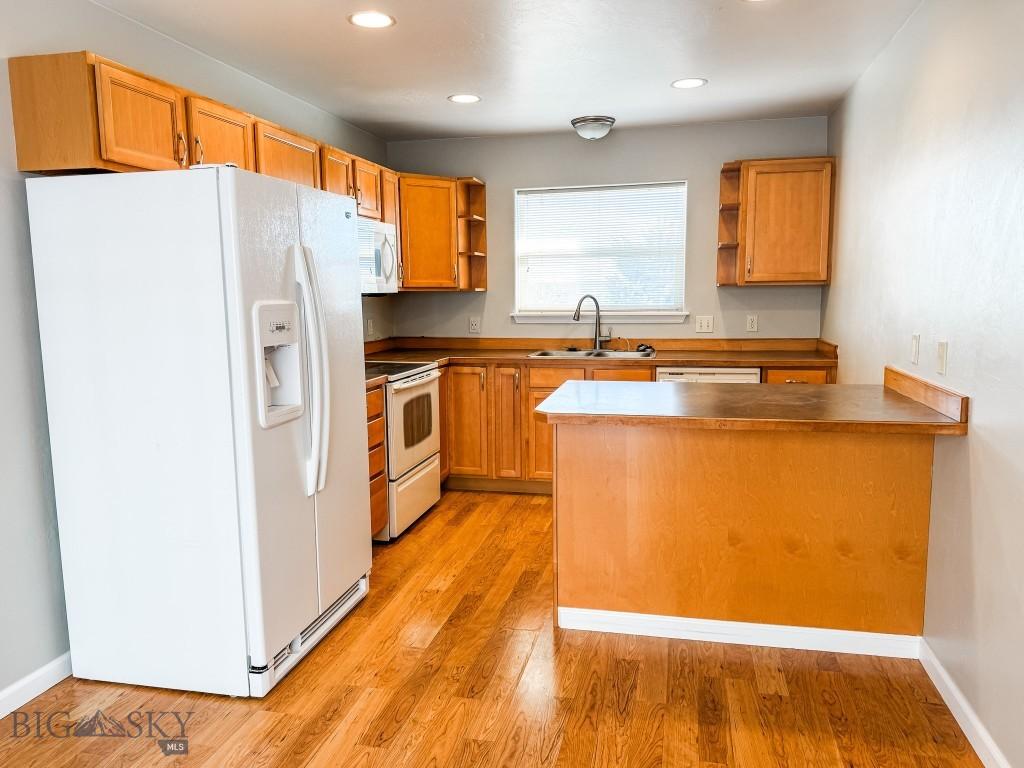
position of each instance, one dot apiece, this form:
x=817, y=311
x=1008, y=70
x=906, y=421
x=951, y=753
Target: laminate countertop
x=724, y=358
x=784, y=407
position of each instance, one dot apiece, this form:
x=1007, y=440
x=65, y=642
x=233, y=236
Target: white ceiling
x=539, y=63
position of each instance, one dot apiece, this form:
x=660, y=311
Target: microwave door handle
x=312, y=334
x=390, y=269
x=324, y=432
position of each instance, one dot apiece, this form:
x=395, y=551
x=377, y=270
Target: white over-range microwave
x=378, y=256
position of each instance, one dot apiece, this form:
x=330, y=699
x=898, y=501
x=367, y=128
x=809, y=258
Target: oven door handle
x=417, y=382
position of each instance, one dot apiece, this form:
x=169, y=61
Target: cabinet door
x=287, y=155
x=539, y=439
x=390, y=211
x=786, y=228
x=219, y=134
x=443, y=395
x=337, y=172
x=468, y=422
x=367, y=177
x=507, y=423
x=142, y=121
x=429, y=232
x=623, y=373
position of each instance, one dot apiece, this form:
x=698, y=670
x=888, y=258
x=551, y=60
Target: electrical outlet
x=942, y=357
x=705, y=323
x=474, y=324
x=752, y=323
x=915, y=348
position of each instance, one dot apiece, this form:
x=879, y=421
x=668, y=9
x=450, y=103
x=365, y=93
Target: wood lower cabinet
x=539, y=439
x=794, y=376
x=367, y=181
x=507, y=423
x=429, y=232
x=623, y=374
x=287, y=155
x=337, y=172
x=141, y=121
x=219, y=134
x=469, y=420
x=377, y=458
x=443, y=409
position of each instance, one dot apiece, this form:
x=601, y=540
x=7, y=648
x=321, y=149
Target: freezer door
x=327, y=230
x=278, y=529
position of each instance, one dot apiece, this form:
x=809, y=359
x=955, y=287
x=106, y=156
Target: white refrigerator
x=202, y=351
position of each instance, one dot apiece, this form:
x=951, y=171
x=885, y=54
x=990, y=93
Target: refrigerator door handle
x=311, y=324
x=324, y=432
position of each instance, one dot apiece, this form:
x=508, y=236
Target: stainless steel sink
x=591, y=353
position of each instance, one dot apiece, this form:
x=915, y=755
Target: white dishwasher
x=710, y=375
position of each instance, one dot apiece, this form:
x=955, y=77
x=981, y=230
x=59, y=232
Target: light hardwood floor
x=452, y=661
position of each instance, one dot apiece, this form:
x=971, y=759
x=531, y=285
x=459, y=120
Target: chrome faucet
x=597, y=318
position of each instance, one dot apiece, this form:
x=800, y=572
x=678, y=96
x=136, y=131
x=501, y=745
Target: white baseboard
x=34, y=683
x=975, y=731
x=743, y=633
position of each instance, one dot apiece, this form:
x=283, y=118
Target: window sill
x=609, y=318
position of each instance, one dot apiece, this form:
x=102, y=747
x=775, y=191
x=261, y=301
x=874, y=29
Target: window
x=625, y=244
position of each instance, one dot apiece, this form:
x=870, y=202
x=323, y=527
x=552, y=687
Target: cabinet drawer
x=623, y=374
x=555, y=377
x=375, y=433
x=378, y=460
x=795, y=376
x=374, y=403
x=378, y=503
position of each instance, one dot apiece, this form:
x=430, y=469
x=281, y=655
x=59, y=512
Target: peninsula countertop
x=783, y=407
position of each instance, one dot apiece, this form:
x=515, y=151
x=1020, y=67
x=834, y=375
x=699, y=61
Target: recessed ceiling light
x=689, y=82
x=372, y=19
x=464, y=98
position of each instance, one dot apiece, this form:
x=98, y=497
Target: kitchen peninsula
x=771, y=515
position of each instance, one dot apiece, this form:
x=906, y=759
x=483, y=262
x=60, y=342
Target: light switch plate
x=371, y=327
x=751, y=323
x=705, y=323
x=915, y=348
x=942, y=357
x=474, y=324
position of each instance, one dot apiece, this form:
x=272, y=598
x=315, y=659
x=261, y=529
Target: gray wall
x=694, y=153
x=930, y=240
x=31, y=600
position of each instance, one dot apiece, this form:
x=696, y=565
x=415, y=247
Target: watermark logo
x=166, y=727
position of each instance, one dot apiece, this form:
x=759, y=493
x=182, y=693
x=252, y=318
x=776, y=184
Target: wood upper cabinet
x=338, y=174
x=287, y=155
x=429, y=233
x=443, y=396
x=785, y=216
x=220, y=134
x=141, y=121
x=468, y=420
x=507, y=424
x=367, y=181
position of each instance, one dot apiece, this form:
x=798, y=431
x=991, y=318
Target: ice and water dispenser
x=279, y=390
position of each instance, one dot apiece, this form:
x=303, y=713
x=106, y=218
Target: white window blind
x=625, y=244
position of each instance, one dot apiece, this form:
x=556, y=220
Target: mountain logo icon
x=99, y=724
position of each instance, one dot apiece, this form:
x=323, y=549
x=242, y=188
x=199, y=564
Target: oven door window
x=417, y=422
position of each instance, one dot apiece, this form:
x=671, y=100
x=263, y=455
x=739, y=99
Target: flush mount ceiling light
x=372, y=19
x=689, y=82
x=592, y=127
x=464, y=98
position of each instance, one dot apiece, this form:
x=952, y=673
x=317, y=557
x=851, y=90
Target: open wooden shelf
x=728, y=245
x=471, y=209
x=729, y=207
